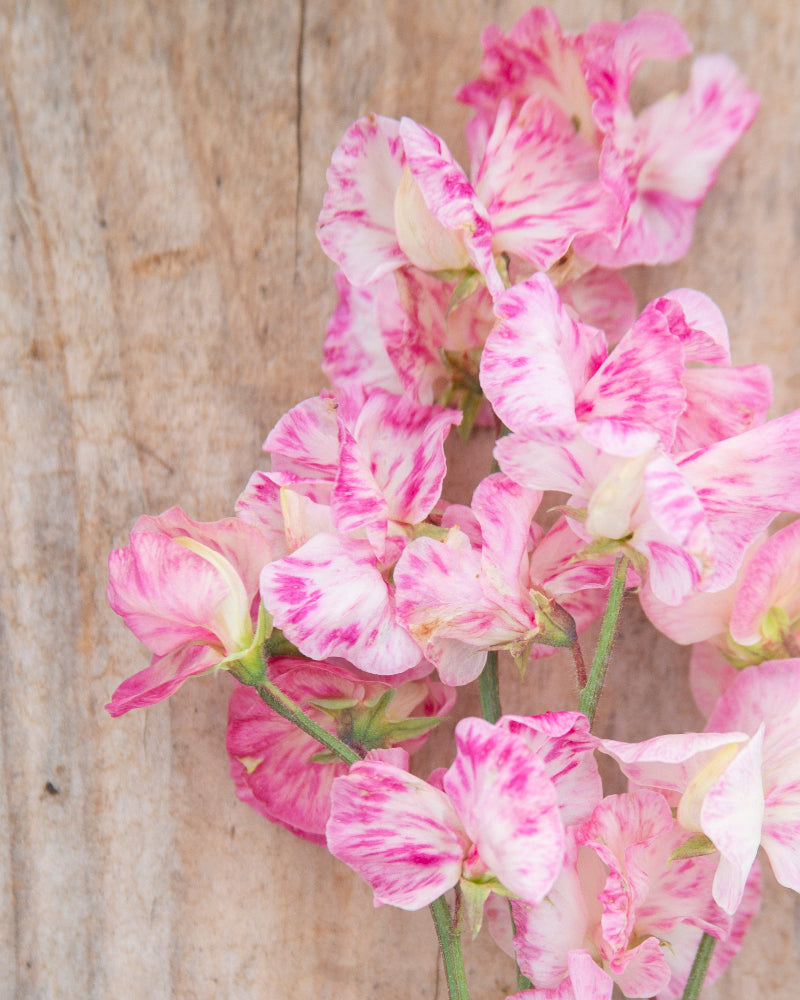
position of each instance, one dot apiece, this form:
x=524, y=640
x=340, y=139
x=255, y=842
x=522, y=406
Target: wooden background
x=162, y=302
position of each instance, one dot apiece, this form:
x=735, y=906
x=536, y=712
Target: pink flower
x=737, y=783
x=659, y=164
x=283, y=773
x=189, y=591
x=621, y=901
x=493, y=825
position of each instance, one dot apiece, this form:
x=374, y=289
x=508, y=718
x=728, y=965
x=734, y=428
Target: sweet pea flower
x=735, y=785
x=188, y=590
x=492, y=825
x=521, y=589
x=629, y=437
x=623, y=903
x=282, y=773
x=659, y=164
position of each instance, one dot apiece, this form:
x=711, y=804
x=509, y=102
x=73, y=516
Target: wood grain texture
x=162, y=302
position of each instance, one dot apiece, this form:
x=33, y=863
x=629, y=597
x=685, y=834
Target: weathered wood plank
x=163, y=301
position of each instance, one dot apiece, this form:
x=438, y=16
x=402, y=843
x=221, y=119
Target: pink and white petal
x=699, y=617
x=586, y=980
x=508, y=806
x=672, y=571
x=710, y=676
x=548, y=933
x=260, y=504
x=403, y=444
x=357, y=500
x=565, y=746
x=356, y=226
x=536, y=360
x=684, y=939
x=505, y=513
x=330, y=599
x=613, y=52
x=539, y=181
x=669, y=762
x=166, y=594
x=771, y=580
x=722, y=402
x=639, y=386
x=731, y=816
x=542, y=465
x=451, y=198
x=742, y=483
x=554, y=564
x=163, y=677
x=305, y=441
x=641, y=971
x=602, y=299
x=354, y=352
x=700, y=325
x=686, y=138
x=400, y=834
x=780, y=834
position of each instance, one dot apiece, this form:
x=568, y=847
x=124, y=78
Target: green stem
x=489, y=687
x=590, y=694
x=283, y=705
x=450, y=945
x=699, y=967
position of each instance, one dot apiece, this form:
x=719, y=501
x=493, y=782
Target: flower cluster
x=492, y=298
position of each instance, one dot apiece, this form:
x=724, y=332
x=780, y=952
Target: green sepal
x=578, y=514
x=249, y=666
x=450, y=274
x=475, y=893
x=330, y=706
x=502, y=261
x=411, y=728
x=326, y=757
x=278, y=645
x=470, y=404
x=695, y=847
x=469, y=284
x=556, y=623
x=428, y=530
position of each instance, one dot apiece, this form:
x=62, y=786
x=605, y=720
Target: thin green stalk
x=590, y=694
x=699, y=967
x=283, y=705
x=489, y=687
x=450, y=945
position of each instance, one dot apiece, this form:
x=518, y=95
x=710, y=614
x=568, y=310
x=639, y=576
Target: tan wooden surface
x=162, y=302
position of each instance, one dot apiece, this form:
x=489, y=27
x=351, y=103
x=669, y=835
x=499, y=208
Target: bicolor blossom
x=660, y=163
x=674, y=464
x=736, y=785
x=189, y=591
x=493, y=824
x=623, y=903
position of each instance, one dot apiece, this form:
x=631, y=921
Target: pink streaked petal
x=614, y=52
x=639, y=386
x=533, y=58
x=586, y=980
x=742, y=483
x=667, y=763
x=545, y=466
x=554, y=565
x=166, y=594
x=305, y=442
x=700, y=617
x=356, y=226
x=354, y=351
x=451, y=198
x=700, y=325
x=684, y=940
x=400, y=834
x=641, y=971
x=686, y=138
x=710, y=676
x=602, y=299
x=357, y=500
x=540, y=183
x=330, y=599
x=508, y=806
x=721, y=403
x=772, y=580
x=505, y=512
x=536, y=360
x=731, y=816
x=675, y=507
x=163, y=677
x=260, y=504
x=672, y=571
x=442, y=604
x=564, y=745
x=780, y=834
x=403, y=445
